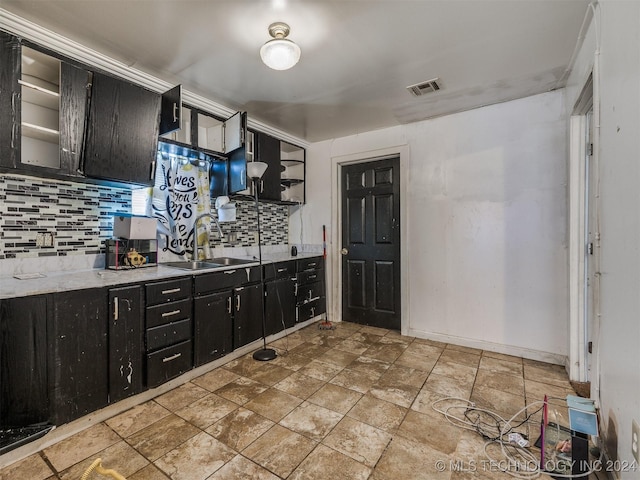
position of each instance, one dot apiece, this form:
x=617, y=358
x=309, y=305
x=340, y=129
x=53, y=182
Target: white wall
x=618, y=352
x=485, y=219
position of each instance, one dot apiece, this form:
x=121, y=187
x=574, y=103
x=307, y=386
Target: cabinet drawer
x=309, y=310
x=163, y=292
x=168, y=363
x=165, y=335
x=310, y=291
x=313, y=263
x=310, y=276
x=210, y=282
x=279, y=270
x=168, y=312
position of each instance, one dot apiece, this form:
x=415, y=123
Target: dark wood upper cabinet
x=122, y=131
x=9, y=100
x=171, y=111
x=74, y=91
x=268, y=151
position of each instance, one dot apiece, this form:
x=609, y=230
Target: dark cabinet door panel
x=280, y=305
x=247, y=319
x=279, y=269
x=9, y=100
x=268, y=151
x=79, y=359
x=311, y=263
x=171, y=110
x=308, y=310
x=213, y=332
x=74, y=91
x=126, y=351
x=23, y=360
x=168, y=291
x=168, y=363
x=168, y=312
x=122, y=131
x=165, y=335
x=210, y=282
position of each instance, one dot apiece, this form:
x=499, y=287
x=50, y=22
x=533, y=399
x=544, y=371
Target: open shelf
x=40, y=96
x=40, y=133
x=40, y=108
x=288, y=182
x=291, y=163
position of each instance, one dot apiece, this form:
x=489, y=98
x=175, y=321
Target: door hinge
x=590, y=347
x=590, y=149
x=590, y=248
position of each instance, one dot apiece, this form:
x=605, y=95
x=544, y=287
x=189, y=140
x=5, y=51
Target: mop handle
x=324, y=241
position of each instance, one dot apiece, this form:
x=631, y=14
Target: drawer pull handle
x=172, y=357
x=229, y=272
x=171, y=290
x=169, y=314
x=115, y=308
x=311, y=277
x=311, y=264
x=228, y=304
x=280, y=270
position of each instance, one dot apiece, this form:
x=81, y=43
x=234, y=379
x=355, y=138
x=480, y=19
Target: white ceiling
x=357, y=55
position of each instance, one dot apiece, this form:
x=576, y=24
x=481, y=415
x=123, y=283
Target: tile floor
x=352, y=403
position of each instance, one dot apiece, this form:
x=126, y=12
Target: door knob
x=344, y=251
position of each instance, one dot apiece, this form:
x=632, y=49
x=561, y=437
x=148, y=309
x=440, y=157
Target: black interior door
x=371, y=243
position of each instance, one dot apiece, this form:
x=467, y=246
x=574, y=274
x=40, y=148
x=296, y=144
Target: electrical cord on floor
x=518, y=461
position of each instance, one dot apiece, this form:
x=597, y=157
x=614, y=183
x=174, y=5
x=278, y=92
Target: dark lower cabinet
x=168, y=363
x=280, y=304
x=78, y=367
x=126, y=346
x=168, y=329
x=213, y=334
x=310, y=292
x=23, y=359
x=247, y=317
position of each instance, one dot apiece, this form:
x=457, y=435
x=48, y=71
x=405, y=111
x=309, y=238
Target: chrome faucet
x=195, y=232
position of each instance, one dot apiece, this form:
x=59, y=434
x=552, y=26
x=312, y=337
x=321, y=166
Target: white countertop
x=52, y=282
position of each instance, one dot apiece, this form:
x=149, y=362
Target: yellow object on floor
x=97, y=467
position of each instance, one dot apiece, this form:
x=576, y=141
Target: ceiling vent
x=423, y=88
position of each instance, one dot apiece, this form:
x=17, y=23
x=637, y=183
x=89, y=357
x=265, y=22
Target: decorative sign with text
x=180, y=195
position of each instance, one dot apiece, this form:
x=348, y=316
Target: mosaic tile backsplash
x=80, y=216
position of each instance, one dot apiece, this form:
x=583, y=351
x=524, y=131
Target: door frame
x=334, y=256
x=581, y=320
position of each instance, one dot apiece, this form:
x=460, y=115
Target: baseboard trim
x=513, y=350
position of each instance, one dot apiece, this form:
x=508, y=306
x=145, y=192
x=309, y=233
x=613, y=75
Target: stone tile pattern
x=81, y=215
x=355, y=402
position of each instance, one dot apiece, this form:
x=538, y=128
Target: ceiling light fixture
x=280, y=53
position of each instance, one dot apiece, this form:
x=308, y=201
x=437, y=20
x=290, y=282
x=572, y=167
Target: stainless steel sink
x=226, y=261
x=209, y=263
x=193, y=265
